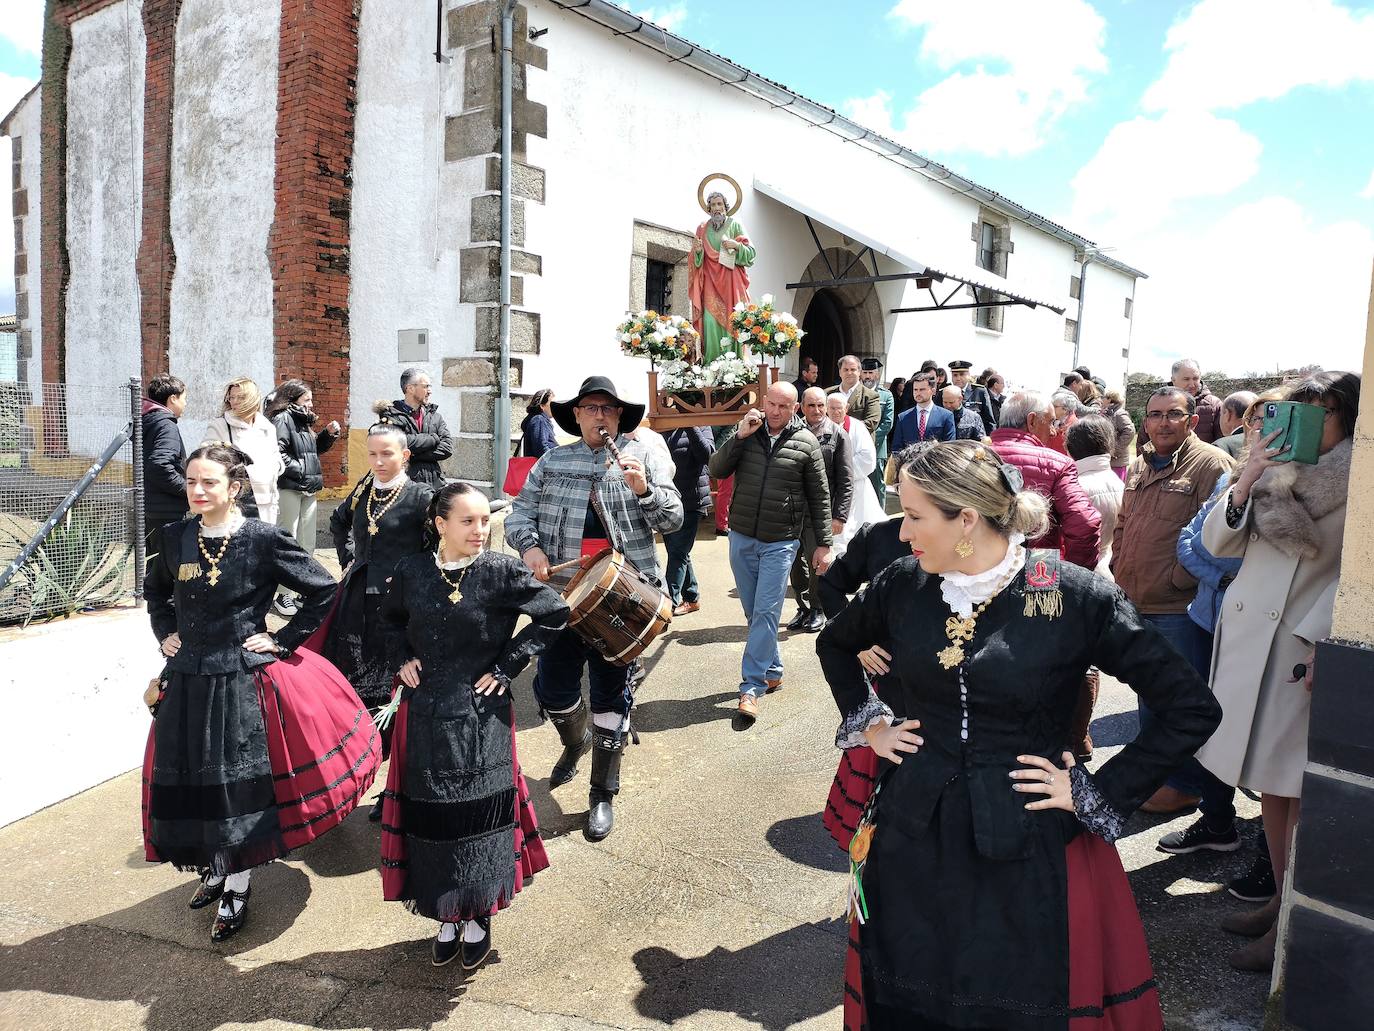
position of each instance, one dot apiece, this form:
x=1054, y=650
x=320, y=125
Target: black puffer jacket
x=301, y=450
x=774, y=489
x=428, y=446
x=691, y=448
x=164, y=467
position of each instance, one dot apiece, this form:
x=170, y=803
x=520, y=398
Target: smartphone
x=1300, y=427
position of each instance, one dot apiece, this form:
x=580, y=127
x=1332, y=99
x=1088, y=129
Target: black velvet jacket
x=215, y=621
x=875, y=547
x=400, y=531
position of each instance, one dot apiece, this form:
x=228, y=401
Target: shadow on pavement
x=1119, y=728
x=663, y=714
x=804, y=840
x=732, y=633
x=784, y=979
x=352, y=847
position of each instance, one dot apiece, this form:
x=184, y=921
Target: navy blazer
x=939, y=426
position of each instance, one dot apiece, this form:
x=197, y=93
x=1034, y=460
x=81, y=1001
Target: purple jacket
x=1075, y=527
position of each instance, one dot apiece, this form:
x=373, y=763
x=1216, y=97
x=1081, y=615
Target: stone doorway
x=838, y=320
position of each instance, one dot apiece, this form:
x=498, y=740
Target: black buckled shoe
x=799, y=620
x=607, y=752
x=476, y=953
x=577, y=742
x=225, y=927
x=443, y=952
x=206, y=892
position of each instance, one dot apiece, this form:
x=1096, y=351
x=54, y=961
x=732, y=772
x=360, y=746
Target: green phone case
x=1302, y=426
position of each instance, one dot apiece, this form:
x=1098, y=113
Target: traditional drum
x=615, y=608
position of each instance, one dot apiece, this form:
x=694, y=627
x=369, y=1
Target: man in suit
x=869, y=370
x=862, y=402
x=975, y=397
x=923, y=421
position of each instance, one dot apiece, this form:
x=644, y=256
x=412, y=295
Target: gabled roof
x=5, y=122
x=683, y=51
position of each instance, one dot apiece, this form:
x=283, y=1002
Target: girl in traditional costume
x=459, y=837
x=987, y=890
x=254, y=750
x=381, y=522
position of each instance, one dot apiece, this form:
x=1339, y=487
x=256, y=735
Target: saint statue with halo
x=718, y=273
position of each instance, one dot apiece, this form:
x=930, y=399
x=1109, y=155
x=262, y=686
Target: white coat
x=1277, y=608
x=258, y=440
x=1105, y=490
x=865, y=507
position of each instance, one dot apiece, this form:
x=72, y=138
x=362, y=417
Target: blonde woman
x=243, y=425
x=987, y=883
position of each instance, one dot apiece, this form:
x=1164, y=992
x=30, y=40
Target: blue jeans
x=558, y=682
x=1194, y=644
x=682, y=578
x=761, y=576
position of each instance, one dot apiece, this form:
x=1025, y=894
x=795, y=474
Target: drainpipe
x=500, y=436
x=1082, y=293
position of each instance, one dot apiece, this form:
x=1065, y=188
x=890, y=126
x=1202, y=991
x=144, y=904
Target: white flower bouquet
x=660, y=338
x=756, y=325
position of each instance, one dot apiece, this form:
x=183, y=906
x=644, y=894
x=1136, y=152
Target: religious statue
x=718, y=276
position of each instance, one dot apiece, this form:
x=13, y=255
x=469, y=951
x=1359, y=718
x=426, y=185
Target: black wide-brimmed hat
x=630, y=414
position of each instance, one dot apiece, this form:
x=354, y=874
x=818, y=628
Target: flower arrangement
x=660, y=338
x=764, y=331
x=730, y=370
x=727, y=371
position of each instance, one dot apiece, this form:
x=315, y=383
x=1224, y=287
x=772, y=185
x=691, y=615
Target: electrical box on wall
x=412, y=345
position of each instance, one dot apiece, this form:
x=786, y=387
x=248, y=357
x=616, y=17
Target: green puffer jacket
x=774, y=489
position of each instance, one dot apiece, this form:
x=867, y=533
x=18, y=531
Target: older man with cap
x=869, y=373
x=576, y=501
x=859, y=399
x=975, y=397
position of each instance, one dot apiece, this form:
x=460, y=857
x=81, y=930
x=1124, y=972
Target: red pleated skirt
x=1111, y=981
x=530, y=857
x=321, y=742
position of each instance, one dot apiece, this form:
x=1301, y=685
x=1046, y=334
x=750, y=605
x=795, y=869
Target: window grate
x=658, y=287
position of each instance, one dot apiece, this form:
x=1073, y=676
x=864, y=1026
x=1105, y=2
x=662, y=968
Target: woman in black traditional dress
x=459, y=836
x=254, y=750
x=988, y=892
x=381, y=522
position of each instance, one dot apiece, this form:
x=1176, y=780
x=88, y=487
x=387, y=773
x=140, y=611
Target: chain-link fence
x=59, y=441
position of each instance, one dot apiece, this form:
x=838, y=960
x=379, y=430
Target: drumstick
x=565, y=565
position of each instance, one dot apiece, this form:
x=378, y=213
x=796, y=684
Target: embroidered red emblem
x=1042, y=576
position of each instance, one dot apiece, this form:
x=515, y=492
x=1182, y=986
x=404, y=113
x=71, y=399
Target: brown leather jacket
x=1155, y=508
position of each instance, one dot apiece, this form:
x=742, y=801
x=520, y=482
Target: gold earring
x=964, y=549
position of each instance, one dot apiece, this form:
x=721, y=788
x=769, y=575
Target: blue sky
x=1220, y=145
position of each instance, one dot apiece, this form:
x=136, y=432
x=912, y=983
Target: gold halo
x=701, y=192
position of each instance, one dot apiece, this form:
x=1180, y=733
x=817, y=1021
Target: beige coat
x=1277, y=608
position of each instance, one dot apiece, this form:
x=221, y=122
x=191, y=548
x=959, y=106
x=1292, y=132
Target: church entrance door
x=827, y=335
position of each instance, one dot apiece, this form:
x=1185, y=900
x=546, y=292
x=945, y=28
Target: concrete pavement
x=715, y=904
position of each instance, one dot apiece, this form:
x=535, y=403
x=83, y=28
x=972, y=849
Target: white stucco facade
x=224, y=135
x=104, y=200
x=26, y=126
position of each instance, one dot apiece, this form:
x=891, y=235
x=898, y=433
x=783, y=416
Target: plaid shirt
x=551, y=508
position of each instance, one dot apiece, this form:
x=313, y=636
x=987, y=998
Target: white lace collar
x=224, y=529
x=399, y=481
x=461, y=563
x=963, y=591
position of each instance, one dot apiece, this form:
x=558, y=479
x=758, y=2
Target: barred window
x=658, y=286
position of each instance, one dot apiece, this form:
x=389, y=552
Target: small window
x=987, y=247
x=658, y=287
x=1129, y=306
x=1070, y=330
x=1075, y=285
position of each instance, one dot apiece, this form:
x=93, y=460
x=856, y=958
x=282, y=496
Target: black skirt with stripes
x=243, y=767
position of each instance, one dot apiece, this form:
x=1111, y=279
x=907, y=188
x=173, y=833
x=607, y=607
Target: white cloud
x=1261, y=287
x=1147, y=167
x=1368, y=192
x=668, y=16
x=23, y=26
x=1014, y=67
x=1227, y=53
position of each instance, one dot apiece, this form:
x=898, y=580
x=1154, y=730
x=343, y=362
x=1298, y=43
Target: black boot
x=606, y=754
x=577, y=740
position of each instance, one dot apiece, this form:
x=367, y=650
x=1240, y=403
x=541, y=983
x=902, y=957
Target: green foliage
x=76, y=567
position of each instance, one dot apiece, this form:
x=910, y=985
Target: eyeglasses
x=1173, y=415
x=599, y=409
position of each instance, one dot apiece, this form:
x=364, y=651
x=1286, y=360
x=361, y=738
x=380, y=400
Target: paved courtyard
x=715, y=904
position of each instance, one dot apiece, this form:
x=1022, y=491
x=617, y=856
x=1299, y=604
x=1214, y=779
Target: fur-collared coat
x=1277, y=608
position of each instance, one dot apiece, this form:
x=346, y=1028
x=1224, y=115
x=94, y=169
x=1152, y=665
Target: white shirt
x=963, y=591
x=400, y=479
x=845, y=393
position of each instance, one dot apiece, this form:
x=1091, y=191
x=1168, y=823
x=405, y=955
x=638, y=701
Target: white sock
x=212, y=879
x=607, y=720
x=448, y=931
x=234, y=882
x=472, y=932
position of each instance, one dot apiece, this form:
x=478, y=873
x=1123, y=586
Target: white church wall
x=410, y=207
x=27, y=126
x=224, y=134
x=1106, y=331
x=630, y=136
x=104, y=204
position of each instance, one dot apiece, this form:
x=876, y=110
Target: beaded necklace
x=455, y=595
x=373, y=518
x=213, y=578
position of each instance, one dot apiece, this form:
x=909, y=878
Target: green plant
x=76, y=567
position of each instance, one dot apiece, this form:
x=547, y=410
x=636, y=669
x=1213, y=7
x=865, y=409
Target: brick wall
x=156, y=256
x=308, y=247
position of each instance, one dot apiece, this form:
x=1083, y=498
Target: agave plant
x=78, y=566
